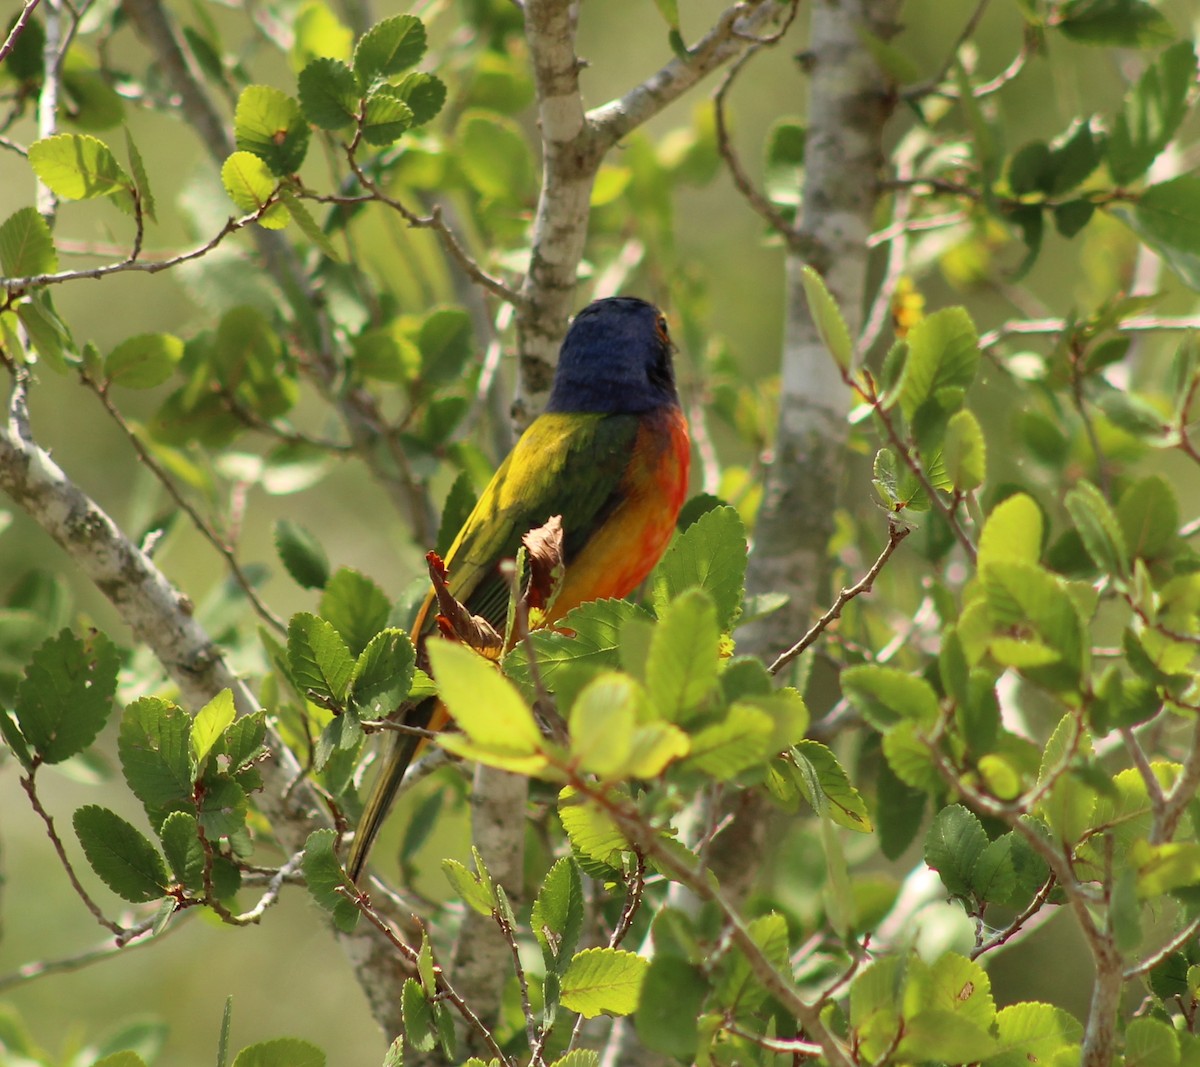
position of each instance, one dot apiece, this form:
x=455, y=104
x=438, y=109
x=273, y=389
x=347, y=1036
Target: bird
x=609, y=455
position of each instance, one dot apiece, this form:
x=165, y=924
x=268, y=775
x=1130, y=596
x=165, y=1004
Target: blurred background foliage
x=667, y=224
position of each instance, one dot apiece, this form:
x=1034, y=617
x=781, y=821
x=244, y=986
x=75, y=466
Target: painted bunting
x=610, y=455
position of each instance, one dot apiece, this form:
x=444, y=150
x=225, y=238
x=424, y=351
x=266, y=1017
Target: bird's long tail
x=401, y=753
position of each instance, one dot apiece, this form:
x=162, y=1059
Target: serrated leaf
x=1114, y=23
x=1148, y=513
x=843, y=802
x=223, y=807
x=424, y=94
x=388, y=47
x=485, y=705
x=210, y=723
x=383, y=672
x=943, y=354
x=140, y=178
x=181, y=845
x=301, y=553
x=603, y=980
x=557, y=916
x=78, y=167
x=470, y=886
x=143, y=361
x=592, y=833
x=356, y=607
x=318, y=657
x=886, y=695
x=67, y=693
x=120, y=854
x=329, y=94
x=1098, y=528
x=827, y=317
x=710, y=555
x=684, y=658
x=740, y=741
x=269, y=124
x=26, y=245
x=417, y=1013
x=327, y=882
x=251, y=186
x=1032, y=1033
x=281, y=1052
x=385, y=117
x=953, y=846
x=155, y=746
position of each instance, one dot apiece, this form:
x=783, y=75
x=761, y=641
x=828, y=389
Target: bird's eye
x=660, y=327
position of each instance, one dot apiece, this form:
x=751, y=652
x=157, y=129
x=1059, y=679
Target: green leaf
x=1034, y=1033
x=841, y=800
x=603, y=980
x=672, y=997
x=26, y=245
x=269, y=124
x=592, y=834
x=143, y=361
x=329, y=95
x=827, y=317
x=395, y=1053
x=318, y=33
x=460, y=502
x=887, y=695
x=1067, y=808
x=476, y=890
x=602, y=722
x=964, y=452
x=557, y=916
x=684, y=659
x=1170, y=212
x=943, y=355
x=185, y=854
x=327, y=882
x=319, y=660
x=424, y=94
x=154, y=745
x=1148, y=513
x=388, y=47
x=494, y=156
x=78, y=167
x=223, y=807
x=1012, y=533
x=874, y=1011
x=210, y=723
x=1074, y=155
x=124, y=1058
x=140, y=178
x=953, y=846
x=1151, y=1043
x=356, y=607
x=596, y=627
x=383, y=672
x=67, y=693
x=1099, y=529
x=1114, y=23
x=487, y=708
x=957, y=989
x=1151, y=113
x=301, y=553
x=280, y=1052
x=251, y=186
x=417, y=1012
x=308, y=225
x=386, y=117
x=446, y=341
x=120, y=854
x=710, y=555
x=740, y=741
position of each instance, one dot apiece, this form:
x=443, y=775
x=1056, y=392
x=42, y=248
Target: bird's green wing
x=564, y=464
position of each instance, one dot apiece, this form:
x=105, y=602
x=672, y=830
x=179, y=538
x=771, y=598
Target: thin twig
x=198, y=521
x=1146, y=965
x=969, y=27
x=10, y=42
x=1018, y=924
x=896, y=533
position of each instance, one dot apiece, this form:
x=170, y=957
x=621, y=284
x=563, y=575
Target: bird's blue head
x=616, y=357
